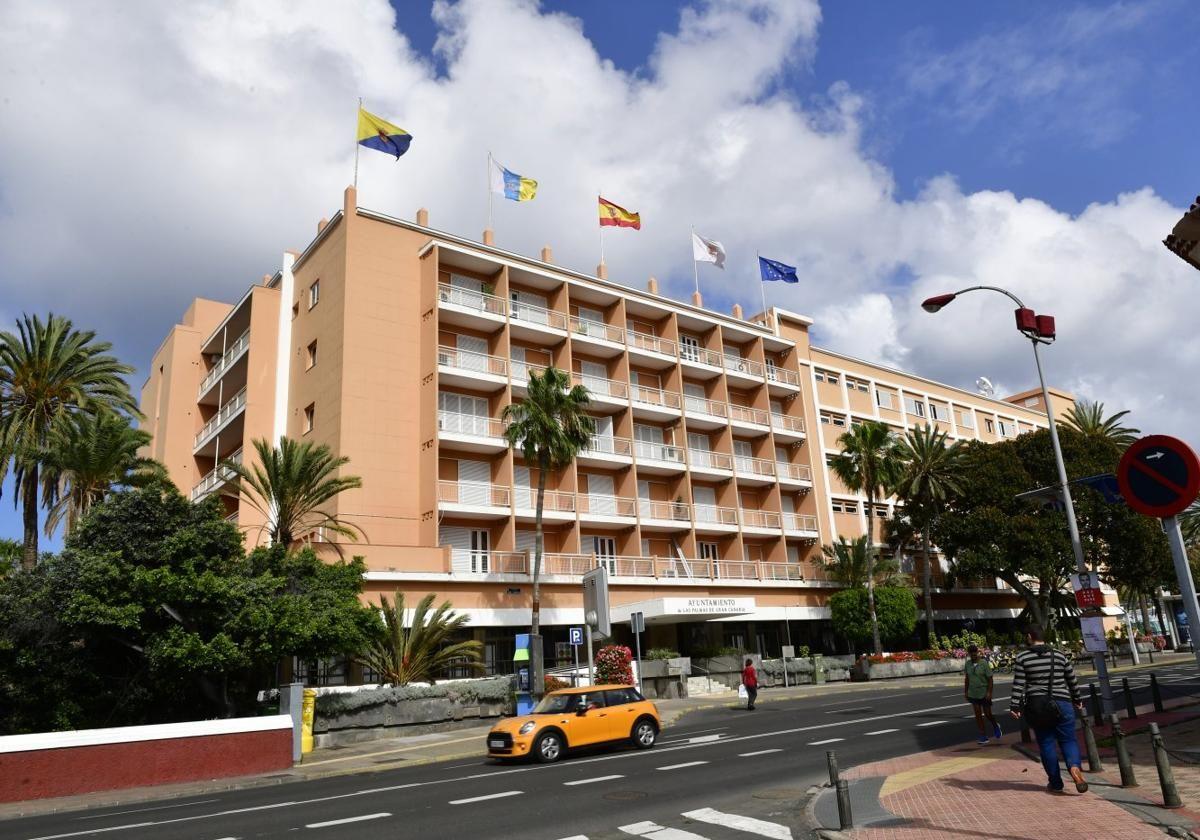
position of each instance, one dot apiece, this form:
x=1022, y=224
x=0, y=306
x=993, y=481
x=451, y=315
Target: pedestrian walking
x=977, y=690
x=750, y=681
x=1044, y=692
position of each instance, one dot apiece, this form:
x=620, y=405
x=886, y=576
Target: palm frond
x=419, y=652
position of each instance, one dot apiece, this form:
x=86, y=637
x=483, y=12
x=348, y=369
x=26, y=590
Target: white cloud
x=149, y=152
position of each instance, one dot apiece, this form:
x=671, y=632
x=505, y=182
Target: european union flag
x=772, y=270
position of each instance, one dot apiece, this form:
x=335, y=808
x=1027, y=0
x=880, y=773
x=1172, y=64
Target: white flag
x=708, y=250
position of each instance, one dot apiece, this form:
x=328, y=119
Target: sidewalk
x=998, y=790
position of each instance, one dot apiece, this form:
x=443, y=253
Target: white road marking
x=143, y=810
x=826, y=741
x=881, y=731
x=759, y=752
x=932, y=722
x=747, y=824
x=681, y=766
x=485, y=798
x=704, y=739
x=575, y=837
x=656, y=832
x=597, y=779
x=363, y=818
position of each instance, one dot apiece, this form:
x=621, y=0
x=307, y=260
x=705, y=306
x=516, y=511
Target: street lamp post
x=1039, y=329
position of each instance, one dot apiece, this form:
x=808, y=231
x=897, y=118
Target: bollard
x=1026, y=738
x=1130, y=708
x=1089, y=741
x=1166, y=779
x=1155, y=694
x=843, y=799
x=1127, y=777
x=1097, y=717
x=831, y=760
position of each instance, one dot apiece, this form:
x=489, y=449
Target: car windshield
x=557, y=704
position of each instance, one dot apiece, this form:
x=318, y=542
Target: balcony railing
x=672, y=511
x=782, y=571
x=787, y=424
x=223, y=416
x=734, y=570
x=700, y=405
x=662, y=453
x=793, y=472
x=713, y=515
x=699, y=356
x=753, y=466
x=760, y=519
x=529, y=313
x=218, y=476
x=594, y=504
x=597, y=329
x=655, y=397
x=554, y=563
x=598, y=386
x=799, y=522
x=737, y=364
x=778, y=374
x=602, y=445
x=471, y=299
x=745, y=414
x=232, y=353
x=649, y=343
x=555, y=501
x=576, y=565
x=454, y=423
x=702, y=459
x=469, y=360
x=521, y=371
x=476, y=493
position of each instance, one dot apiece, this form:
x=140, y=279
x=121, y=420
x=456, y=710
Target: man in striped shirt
x=1032, y=672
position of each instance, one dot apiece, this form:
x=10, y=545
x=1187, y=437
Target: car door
x=621, y=712
x=591, y=727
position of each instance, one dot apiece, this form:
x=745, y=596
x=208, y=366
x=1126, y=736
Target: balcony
x=650, y=349
x=700, y=362
x=664, y=516
x=472, y=433
x=711, y=519
x=654, y=403
x=604, y=339
x=557, y=506
x=781, y=380
x=749, y=419
x=712, y=464
x=658, y=458
x=604, y=393
x=471, y=370
x=677, y=569
x=234, y=408
x=754, y=471
x=467, y=307
x=232, y=353
x=782, y=571
x=760, y=521
x=521, y=371
x=464, y=561
x=742, y=371
x=527, y=320
x=606, y=510
x=733, y=570
x=799, y=475
x=603, y=451
x=576, y=565
x=474, y=500
x=219, y=478
x=787, y=428
x=800, y=524
x=704, y=413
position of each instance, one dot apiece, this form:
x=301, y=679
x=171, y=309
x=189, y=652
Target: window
x=914, y=406
x=818, y=375
x=314, y=294
x=884, y=399
x=689, y=348
x=839, y=420
x=1006, y=429
x=308, y=417
x=989, y=425
x=939, y=412
x=709, y=551
x=826, y=418
x=966, y=420
x=312, y=355
x=844, y=506
x=857, y=385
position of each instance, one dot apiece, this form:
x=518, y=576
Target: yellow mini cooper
x=577, y=717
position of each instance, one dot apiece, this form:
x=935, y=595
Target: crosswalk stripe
x=759, y=752
x=826, y=741
x=654, y=831
x=747, y=824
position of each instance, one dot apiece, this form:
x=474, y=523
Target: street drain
x=625, y=795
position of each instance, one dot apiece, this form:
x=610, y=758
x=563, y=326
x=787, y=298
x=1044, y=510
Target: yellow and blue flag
x=381, y=135
x=511, y=185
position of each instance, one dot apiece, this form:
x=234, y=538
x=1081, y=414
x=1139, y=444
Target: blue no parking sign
x=577, y=636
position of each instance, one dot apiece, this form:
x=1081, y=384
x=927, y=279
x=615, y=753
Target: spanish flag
x=381, y=135
x=613, y=216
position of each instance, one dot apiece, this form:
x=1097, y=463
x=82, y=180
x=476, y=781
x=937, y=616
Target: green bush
x=714, y=652
x=661, y=653
x=895, y=609
x=467, y=692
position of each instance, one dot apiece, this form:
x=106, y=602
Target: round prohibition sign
x=1159, y=476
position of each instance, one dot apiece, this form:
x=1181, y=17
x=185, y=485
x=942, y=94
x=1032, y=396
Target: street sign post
x=1160, y=476
x=576, y=635
x=637, y=621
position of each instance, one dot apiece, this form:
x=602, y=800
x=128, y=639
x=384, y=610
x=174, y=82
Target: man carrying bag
x=1044, y=692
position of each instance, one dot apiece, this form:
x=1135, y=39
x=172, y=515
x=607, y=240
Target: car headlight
x=527, y=727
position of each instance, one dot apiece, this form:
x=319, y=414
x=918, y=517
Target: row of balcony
x=557, y=506
x=228, y=411
x=217, y=478
x=494, y=307
x=576, y=565
x=232, y=353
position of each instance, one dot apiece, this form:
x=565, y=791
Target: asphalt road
x=719, y=774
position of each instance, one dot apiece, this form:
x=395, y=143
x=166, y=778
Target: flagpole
x=601, y=231
x=356, y=144
x=488, y=184
x=695, y=265
x=761, y=286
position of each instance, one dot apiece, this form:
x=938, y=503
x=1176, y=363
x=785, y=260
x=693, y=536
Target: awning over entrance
x=681, y=610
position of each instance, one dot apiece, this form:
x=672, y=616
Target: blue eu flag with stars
x=772, y=270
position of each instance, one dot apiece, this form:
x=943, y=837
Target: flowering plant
x=613, y=665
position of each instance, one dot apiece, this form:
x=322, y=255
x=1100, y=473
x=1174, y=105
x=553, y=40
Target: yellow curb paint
x=919, y=775
x=424, y=746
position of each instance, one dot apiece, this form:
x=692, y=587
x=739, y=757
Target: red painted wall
x=40, y=774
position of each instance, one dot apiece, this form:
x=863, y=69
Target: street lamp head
x=936, y=302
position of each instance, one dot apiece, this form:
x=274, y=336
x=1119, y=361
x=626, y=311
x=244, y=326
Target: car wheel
x=549, y=747
x=645, y=733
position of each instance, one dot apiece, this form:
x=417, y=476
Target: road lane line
x=143, y=810
x=704, y=739
x=469, y=800
x=596, y=779
x=881, y=731
x=759, y=752
x=826, y=741
x=932, y=722
x=747, y=824
x=362, y=818
x=681, y=766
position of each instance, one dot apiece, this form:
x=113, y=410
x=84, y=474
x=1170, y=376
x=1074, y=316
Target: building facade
x=706, y=492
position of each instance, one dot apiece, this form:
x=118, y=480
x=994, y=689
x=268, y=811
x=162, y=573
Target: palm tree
x=1189, y=523
x=929, y=474
x=290, y=483
x=50, y=372
x=868, y=464
x=1087, y=418
x=419, y=652
x=550, y=427
x=846, y=562
x=86, y=459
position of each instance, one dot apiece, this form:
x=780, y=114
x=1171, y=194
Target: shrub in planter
x=655, y=654
x=613, y=665
x=554, y=684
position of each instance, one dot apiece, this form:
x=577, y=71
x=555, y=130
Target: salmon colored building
x=706, y=492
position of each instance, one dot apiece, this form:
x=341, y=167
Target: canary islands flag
x=511, y=185
x=612, y=215
x=381, y=135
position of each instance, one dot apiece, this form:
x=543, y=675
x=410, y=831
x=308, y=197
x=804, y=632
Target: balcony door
x=602, y=441
x=474, y=482
x=527, y=306
x=700, y=450
x=595, y=377
x=744, y=454
x=519, y=371
x=470, y=548
x=689, y=348
x=462, y=414
x=644, y=499
x=524, y=495
x=467, y=291
x=601, y=495
x=649, y=442
x=605, y=549
x=472, y=352
x=705, y=499
x=591, y=322
x=694, y=398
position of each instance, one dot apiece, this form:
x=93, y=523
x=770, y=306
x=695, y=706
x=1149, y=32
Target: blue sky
x=887, y=148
